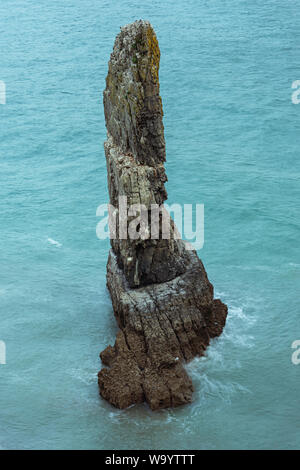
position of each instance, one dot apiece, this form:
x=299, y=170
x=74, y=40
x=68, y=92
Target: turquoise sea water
x=233, y=141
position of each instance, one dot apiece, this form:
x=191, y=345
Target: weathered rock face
x=162, y=299
x=132, y=105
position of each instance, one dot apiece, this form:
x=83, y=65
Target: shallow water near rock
x=232, y=136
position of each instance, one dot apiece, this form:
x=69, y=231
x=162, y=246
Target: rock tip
x=136, y=23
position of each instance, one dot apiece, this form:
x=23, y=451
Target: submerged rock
x=162, y=299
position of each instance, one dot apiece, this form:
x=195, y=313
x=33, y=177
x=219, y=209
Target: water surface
x=233, y=140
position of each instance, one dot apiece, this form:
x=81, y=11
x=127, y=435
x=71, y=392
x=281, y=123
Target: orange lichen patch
x=161, y=106
x=154, y=53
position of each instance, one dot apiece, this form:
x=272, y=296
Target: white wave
x=213, y=390
x=294, y=265
x=54, y=242
x=207, y=372
x=84, y=376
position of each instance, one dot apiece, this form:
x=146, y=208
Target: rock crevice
x=162, y=299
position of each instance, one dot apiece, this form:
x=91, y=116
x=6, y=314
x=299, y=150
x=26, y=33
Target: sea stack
x=162, y=299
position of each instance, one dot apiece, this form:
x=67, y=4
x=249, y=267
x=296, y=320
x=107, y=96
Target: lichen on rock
x=162, y=299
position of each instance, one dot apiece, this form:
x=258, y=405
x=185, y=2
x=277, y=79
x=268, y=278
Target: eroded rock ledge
x=162, y=299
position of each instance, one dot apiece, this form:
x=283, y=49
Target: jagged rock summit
x=162, y=299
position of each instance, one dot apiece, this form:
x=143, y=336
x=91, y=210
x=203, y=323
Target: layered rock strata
x=162, y=299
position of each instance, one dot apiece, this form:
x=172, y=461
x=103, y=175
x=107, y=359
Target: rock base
x=161, y=327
